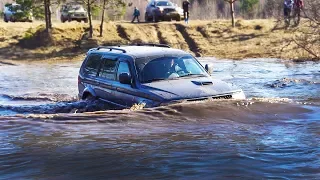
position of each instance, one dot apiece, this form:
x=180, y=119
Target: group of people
x=289, y=5
x=185, y=7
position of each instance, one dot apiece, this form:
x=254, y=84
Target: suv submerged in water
x=151, y=74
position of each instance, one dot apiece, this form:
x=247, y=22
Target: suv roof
x=139, y=50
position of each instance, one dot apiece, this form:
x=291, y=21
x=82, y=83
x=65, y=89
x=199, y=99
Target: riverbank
x=249, y=39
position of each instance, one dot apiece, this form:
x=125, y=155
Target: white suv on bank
x=13, y=12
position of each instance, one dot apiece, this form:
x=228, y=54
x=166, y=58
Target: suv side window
x=108, y=69
x=123, y=68
x=92, y=65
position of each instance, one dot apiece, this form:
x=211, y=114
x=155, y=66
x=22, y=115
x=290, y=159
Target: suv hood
x=77, y=11
x=190, y=88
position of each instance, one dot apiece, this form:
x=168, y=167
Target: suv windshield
x=15, y=7
x=164, y=3
x=165, y=68
x=76, y=7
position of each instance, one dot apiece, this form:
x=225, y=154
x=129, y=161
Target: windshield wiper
x=190, y=74
x=154, y=79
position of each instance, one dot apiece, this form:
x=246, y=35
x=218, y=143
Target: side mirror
x=209, y=68
x=125, y=78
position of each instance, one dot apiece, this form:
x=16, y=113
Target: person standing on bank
x=136, y=14
x=185, y=7
x=287, y=7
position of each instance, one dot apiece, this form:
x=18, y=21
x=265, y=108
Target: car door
x=125, y=94
x=151, y=8
x=65, y=11
x=89, y=72
x=62, y=11
x=148, y=8
x=154, y=7
x=8, y=12
x=106, y=77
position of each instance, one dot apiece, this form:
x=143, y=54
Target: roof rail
x=152, y=44
x=111, y=48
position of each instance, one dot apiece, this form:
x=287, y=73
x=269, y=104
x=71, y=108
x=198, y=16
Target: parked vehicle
x=73, y=12
x=14, y=13
x=163, y=10
x=148, y=73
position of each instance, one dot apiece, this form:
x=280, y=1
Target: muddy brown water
x=274, y=134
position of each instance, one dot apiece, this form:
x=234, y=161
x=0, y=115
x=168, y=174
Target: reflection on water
x=260, y=138
x=38, y=82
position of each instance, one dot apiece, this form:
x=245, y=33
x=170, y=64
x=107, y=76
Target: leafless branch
x=306, y=49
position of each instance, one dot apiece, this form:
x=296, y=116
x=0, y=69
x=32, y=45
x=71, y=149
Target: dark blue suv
x=152, y=74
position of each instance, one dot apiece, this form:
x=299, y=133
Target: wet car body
x=163, y=10
x=126, y=75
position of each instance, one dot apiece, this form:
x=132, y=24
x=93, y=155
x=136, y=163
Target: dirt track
x=250, y=39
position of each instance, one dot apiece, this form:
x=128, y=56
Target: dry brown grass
x=249, y=39
x=168, y=34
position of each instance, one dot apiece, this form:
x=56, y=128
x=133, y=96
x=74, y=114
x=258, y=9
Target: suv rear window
x=108, y=69
x=92, y=65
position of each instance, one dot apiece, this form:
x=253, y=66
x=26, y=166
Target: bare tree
x=308, y=38
x=102, y=18
x=89, y=4
x=231, y=3
x=110, y=4
x=48, y=12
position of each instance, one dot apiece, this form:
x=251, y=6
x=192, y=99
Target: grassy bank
x=249, y=39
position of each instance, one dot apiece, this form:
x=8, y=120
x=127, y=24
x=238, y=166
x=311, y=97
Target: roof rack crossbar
x=111, y=48
x=152, y=44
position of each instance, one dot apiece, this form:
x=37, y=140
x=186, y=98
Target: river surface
x=274, y=134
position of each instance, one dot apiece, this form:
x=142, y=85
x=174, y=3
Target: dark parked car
x=163, y=10
x=148, y=73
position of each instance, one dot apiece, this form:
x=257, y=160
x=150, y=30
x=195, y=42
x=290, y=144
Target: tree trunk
x=102, y=18
x=90, y=20
x=232, y=12
x=46, y=15
x=49, y=14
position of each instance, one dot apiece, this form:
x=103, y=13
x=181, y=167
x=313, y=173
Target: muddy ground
x=249, y=39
